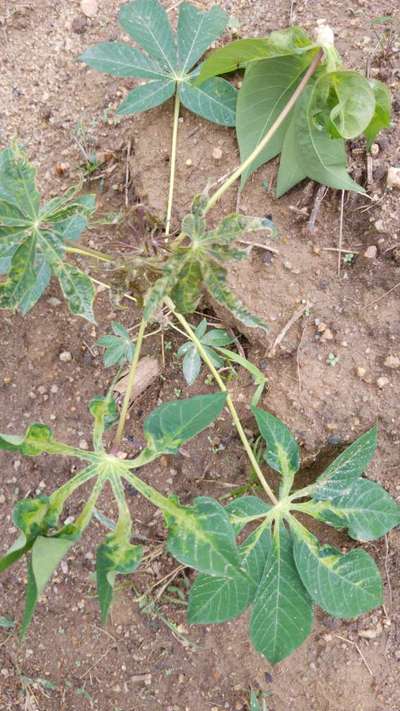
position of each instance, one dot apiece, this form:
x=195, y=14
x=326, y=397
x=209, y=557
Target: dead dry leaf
x=147, y=372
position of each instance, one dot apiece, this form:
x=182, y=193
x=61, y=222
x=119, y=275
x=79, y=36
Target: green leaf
x=244, y=507
x=352, y=98
x=282, y=615
x=105, y=412
x=47, y=553
x=235, y=225
x=349, y=465
x=37, y=439
x=174, y=423
x=244, y=52
x=383, y=111
x=163, y=286
x=366, y=510
x=35, y=237
x=147, y=23
x=215, y=282
x=282, y=452
x=77, y=289
x=267, y=87
x=147, y=96
x=6, y=623
x=343, y=585
x=196, y=32
x=121, y=60
x=202, y=537
x=254, y=705
x=309, y=152
x=191, y=365
x=114, y=557
x=217, y=599
x=186, y=294
x=118, y=348
x=216, y=338
x=215, y=100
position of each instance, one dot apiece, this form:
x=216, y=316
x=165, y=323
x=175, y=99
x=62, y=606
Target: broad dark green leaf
x=174, y=423
x=349, y=100
x=267, y=87
x=217, y=599
x=216, y=338
x=202, y=537
x=215, y=100
x=121, y=60
x=196, y=32
x=282, y=615
x=343, y=585
x=147, y=23
x=349, y=465
x=366, y=510
x=282, y=452
x=214, y=278
x=383, y=111
x=35, y=237
x=309, y=152
x=46, y=555
x=114, y=558
x=147, y=96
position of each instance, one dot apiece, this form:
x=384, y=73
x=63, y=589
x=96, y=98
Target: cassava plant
x=168, y=63
x=280, y=570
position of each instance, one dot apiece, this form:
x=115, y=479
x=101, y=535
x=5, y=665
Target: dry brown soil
x=148, y=658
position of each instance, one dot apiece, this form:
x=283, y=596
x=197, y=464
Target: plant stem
x=172, y=163
x=151, y=494
x=130, y=384
x=260, y=147
x=87, y=252
x=232, y=409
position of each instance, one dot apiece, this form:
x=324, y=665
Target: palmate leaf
x=282, y=614
x=201, y=265
x=169, y=61
x=34, y=250
x=214, y=338
x=343, y=585
x=119, y=348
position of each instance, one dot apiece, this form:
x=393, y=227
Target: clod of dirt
x=147, y=371
x=217, y=153
x=393, y=178
x=382, y=382
x=65, y=357
x=371, y=252
x=89, y=7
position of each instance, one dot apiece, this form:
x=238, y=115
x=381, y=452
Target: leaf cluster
x=200, y=264
x=279, y=568
x=33, y=239
x=337, y=105
x=168, y=59
x=210, y=340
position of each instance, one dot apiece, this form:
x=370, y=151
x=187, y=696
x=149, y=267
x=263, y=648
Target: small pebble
x=392, y=362
x=217, y=153
x=189, y=163
x=374, y=150
x=327, y=335
x=371, y=252
x=2, y=499
x=393, y=178
x=65, y=357
x=361, y=371
x=382, y=382
x=89, y=7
